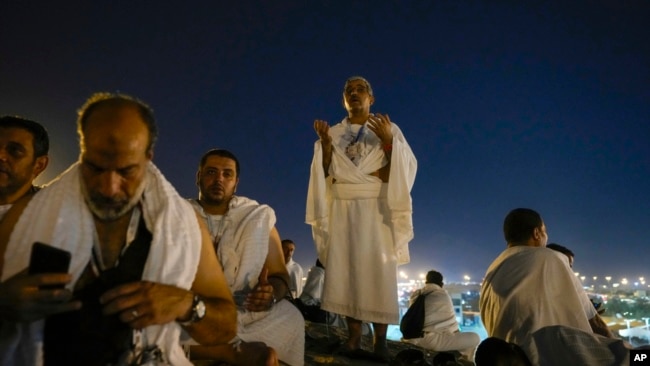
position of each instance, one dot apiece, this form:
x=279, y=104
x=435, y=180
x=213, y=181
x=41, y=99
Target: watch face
x=199, y=310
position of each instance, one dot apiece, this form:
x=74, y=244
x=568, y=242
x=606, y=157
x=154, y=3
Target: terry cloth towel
x=59, y=216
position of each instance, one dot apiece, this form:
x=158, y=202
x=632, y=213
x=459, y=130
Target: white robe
x=295, y=278
x=242, y=251
x=58, y=215
x=441, y=330
x=361, y=226
x=529, y=288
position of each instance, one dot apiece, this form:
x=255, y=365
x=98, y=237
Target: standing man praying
x=359, y=207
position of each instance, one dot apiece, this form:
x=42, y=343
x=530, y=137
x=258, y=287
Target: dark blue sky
x=508, y=104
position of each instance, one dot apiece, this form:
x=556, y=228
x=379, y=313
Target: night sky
x=507, y=104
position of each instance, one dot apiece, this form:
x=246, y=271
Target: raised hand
x=380, y=124
x=322, y=129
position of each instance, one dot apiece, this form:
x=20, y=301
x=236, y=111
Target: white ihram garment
x=441, y=331
x=59, y=216
x=361, y=226
x=529, y=288
x=242, y=250
x=295, y=278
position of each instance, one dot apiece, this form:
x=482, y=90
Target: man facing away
x=248, y=246
x=293, y=268
x=142, y=262
x=529, y=287
x=359, y=207
x=564, y=250
x=441, y=330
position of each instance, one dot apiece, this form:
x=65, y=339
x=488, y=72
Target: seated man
x=529, y=287
x=556, y=345
x=142, y=261
x=564, y=250
x=248, y=247
x=313, y=289
x=441, y=331
x=293, y=268
x=24, y=147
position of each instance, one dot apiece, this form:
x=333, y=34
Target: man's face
x=18, y=167
x=356, y=97
x=217, y=180
x=288, y=249
x=114, y=160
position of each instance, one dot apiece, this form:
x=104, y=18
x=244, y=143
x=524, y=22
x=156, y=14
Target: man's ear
x=39, y=165
x=236, y=184
x=198, y=177
x=537, y=234
x=372, y=100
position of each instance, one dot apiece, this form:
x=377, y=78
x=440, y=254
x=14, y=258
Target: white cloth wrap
x=361, y=227
x=242, y=251
x=529, y=288
x=313, y=290
x=295, y=277
x=441, y=331
x=401, y=179
x=59, y=216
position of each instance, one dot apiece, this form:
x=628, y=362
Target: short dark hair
x=117, y=100
x=287, y=241
x=434, y=277
x=356, y=77
x=219, y=152
x=40, y=138
x=562, y=249
x=520, y=223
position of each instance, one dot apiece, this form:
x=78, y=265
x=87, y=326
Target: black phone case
x=48, y=259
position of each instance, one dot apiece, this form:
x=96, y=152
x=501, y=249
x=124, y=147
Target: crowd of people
x=156, y=278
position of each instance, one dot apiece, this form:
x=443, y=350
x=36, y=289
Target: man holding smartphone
x=142, y=262
x=24, y=147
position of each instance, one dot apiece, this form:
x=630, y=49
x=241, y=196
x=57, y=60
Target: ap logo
x=640, y=357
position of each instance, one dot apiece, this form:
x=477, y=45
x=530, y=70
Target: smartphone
x=48, y=259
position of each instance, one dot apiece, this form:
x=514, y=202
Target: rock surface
x=321, y=342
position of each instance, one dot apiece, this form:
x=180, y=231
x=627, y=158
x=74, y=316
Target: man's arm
x=220, y=323
x=143, y=303
x=21, y=298
x=274, y=278
x=322, y=129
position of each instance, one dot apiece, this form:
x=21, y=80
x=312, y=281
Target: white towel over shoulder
x=58, y=216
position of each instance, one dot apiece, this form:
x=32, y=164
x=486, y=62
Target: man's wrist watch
x=198, y=311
